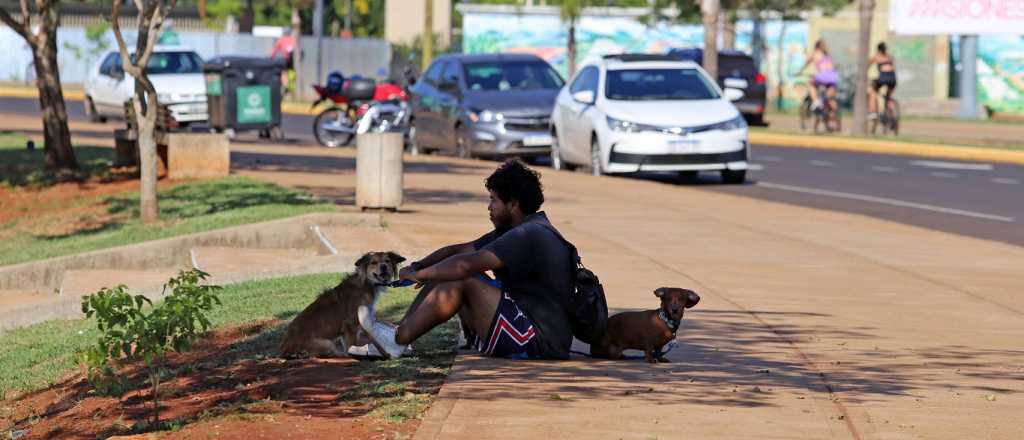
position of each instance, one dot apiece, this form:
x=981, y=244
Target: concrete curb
x=884, y=146
x=176, y=251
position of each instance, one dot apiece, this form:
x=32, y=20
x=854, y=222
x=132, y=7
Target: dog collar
x=672, y=325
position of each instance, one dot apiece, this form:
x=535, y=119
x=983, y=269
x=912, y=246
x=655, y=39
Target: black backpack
x=588, y=309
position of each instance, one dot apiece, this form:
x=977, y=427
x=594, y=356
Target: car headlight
x=630, y=127
x=485, y=116
x=732, y=124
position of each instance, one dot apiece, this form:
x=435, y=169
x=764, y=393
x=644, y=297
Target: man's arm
x=459, y=266
x=445, y=252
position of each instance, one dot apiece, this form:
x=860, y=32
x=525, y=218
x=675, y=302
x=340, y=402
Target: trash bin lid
x=222, y=63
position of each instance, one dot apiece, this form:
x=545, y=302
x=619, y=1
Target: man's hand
x=408, y=273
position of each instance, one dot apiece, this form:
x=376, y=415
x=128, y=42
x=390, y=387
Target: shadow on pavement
x=722, y=359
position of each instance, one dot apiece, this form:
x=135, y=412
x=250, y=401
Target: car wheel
x=734, y=177
x=461, y=147
x=556, y=155
x=90, y=112
x=595, y=158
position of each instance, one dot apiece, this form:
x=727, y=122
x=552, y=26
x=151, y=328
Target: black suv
x=735, y=70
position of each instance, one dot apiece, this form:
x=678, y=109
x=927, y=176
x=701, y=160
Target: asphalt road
x=974, y=199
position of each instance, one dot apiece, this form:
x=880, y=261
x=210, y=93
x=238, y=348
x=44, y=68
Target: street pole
x=318, y=32
x=968, y=77
x=710, y=9
x=428, y=35
x=348, y=17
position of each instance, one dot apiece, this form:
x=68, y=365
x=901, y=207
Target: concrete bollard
x=197, y=155
x=379, y=170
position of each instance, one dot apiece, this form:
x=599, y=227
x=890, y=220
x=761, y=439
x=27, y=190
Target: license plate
x=537, y=141
x=684, y=146
x=736, y=83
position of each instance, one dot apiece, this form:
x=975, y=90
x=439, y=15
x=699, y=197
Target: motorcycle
x=358, y=106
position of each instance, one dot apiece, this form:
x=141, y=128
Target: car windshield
x=511, y=75
x=174, y=63
x=658, y=84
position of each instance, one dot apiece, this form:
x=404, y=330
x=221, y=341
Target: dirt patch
x=20, y=201
x=230, y=386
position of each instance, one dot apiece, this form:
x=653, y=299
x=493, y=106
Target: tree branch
x=115, y=26
x=20, y=27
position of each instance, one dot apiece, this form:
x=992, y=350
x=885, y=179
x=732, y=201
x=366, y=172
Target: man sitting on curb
x=523, y=317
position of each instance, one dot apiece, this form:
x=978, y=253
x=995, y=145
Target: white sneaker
x=370, y=351
x=382, y=335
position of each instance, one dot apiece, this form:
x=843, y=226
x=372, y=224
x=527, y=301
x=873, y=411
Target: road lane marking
x=755, y=167
x=886, y=201
x=885, y=169
x=1005, y=181
x=822, y=163
x=952, y=165
x=769, y=158
x=943, y=175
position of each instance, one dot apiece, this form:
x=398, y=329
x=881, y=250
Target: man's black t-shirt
x=538, y=276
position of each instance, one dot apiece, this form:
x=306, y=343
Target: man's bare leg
x=477, y=300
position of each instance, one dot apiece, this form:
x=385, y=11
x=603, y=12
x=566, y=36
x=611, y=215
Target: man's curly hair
x=514, y=180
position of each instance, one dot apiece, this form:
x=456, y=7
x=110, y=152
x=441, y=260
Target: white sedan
x=630, y=113
x=176, y=74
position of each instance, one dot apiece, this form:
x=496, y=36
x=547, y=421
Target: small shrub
x=133, y=328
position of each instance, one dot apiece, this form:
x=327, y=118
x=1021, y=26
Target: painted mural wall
x=545, y=36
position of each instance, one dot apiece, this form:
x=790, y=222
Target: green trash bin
x=244, y=93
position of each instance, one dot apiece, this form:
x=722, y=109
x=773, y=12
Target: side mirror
x=733, y=94
x=584, y=97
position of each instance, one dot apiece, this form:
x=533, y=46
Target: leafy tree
x=41, y=36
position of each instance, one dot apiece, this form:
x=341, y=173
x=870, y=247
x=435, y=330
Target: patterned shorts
x=512, y=335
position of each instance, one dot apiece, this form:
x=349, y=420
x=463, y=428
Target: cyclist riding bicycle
x=825, y=75
x=886, y=78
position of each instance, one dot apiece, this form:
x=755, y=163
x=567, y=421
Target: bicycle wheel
x=894, y=117
x=805, y=113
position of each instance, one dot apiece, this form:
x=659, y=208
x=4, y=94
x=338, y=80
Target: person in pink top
x=284, y=47
x=825, y=75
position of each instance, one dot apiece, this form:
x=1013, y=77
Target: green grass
x=35, y=357
x=21, y=167
x=184, y=209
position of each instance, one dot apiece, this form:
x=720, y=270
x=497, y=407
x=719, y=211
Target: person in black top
x=886, y=78
x=521, y=315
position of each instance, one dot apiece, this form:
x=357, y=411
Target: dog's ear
x=691, y=298
x=395, y=258
x=363, y=261
x=661, y=291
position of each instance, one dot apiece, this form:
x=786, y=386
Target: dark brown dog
x=333, y=313
x=648, y=330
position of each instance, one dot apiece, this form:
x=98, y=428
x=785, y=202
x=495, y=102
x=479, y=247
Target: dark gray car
x=484, y=105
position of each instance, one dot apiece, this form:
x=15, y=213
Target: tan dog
x=333, y=313
x=648, y=330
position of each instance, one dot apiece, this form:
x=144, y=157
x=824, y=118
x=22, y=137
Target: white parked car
x=629, y=113
x=176, y=74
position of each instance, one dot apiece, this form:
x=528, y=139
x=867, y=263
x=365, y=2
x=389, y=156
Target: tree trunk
x=202, y=10
x=728, y=20
x=780, y=79
x=428, y=34
x=58, y=154
x=297, y=53
x=709, y=9
x=860, y=97
x=571, y=47
x=149, y=209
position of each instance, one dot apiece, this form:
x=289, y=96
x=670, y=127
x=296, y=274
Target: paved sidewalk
x=945, y=131
x=812, y=324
